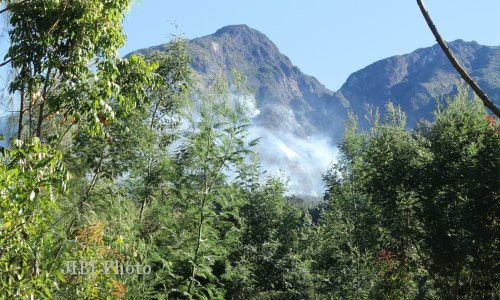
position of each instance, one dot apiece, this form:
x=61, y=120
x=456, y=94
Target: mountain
x=300, y=120
x=293, y=101
x=416, y=80
x=286, y=98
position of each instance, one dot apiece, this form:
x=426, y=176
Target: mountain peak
x=235, y=29
x=279, y=87
x=242, y=33
x=461, y=44
x=460, y=41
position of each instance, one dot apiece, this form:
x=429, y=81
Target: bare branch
x=470, y=81
x=5, y=62
x=8, y=7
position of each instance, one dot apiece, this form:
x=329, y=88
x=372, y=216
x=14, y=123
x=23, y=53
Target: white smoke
x=304, y=160
x=249, y=105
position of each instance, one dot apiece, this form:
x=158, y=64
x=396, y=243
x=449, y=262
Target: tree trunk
x=42, y=103
x=21, y=112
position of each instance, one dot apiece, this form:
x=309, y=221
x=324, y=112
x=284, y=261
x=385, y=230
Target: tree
x=31, y=177
x=112, y=173
x=168, y=98
x=68, y=75
x=459, y=196
x=66, y=65
x=273, y=248
x=416, y=209
x=194, y=203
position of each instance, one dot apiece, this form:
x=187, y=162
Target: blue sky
x=328, y=39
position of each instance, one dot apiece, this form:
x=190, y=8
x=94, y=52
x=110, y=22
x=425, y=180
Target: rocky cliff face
x=298, y=117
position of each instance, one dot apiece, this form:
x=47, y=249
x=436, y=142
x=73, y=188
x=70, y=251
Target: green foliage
x=68, y=79
x=31, y=177
x=347, y=238
x=116, y=175
x=460, y=207
x=66, y=62
x=272, y=249
x=198, y=207
x=415, y=211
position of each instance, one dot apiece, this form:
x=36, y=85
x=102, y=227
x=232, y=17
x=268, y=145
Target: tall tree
x=64, y=54
x=67, y=74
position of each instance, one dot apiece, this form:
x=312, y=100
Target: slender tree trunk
x=208, y=189
x=40, y=120
x=30, y=115
x=143, y=208
x=460, y=69
x=42, y=103
x=5, y=62
x=150, y=165
x=79, y=205
x=198, y=239
x=93, y=182
x=21, y=115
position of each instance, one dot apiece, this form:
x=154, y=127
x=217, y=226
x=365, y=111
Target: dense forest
x=128, y=160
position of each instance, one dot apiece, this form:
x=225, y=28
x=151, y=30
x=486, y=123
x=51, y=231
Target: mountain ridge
x=288, y=98
x=416, y=80
x=300, y=120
